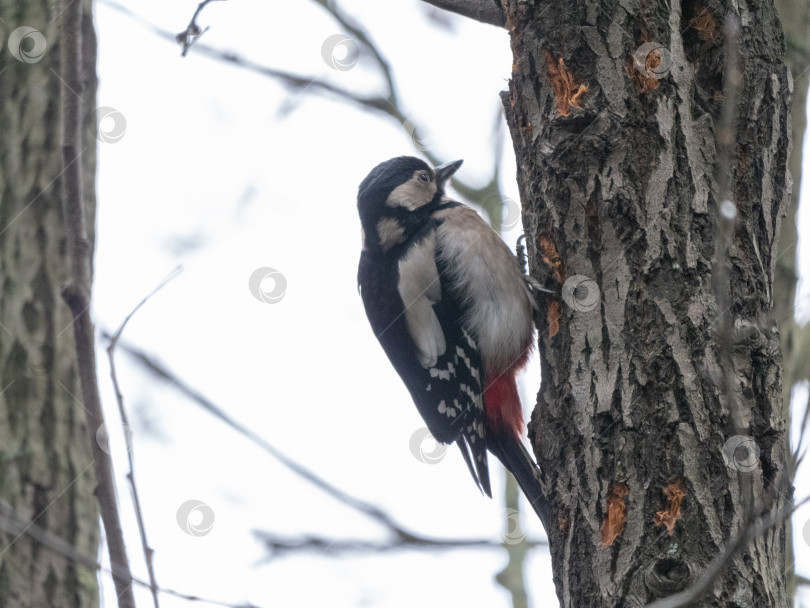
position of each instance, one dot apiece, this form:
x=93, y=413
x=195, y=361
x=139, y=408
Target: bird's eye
x=424, y=177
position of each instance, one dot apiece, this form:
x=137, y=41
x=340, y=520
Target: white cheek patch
x=419, y=287
x=390, y=232
x=412, y=194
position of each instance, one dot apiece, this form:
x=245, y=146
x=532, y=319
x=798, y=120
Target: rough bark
x=641, y=391
x=46, y=470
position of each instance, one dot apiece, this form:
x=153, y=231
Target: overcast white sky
x=223, y=171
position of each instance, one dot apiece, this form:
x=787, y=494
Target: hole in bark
x=673, y=570
x=576, y=124
x=667, y=576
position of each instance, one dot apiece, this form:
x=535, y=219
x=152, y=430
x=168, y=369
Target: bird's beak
x=445, y=172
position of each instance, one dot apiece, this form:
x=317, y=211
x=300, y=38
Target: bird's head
x=394, y=195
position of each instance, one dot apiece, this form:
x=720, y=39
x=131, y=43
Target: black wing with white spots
x=423, y=336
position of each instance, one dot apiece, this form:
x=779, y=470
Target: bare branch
x=11, y=523
x=355, y=503
x=727, y=215
x=147, y=550
x=485, y=11
x=160, y=286
x=386, y=104
x=278, y=545
x=403, y=538
x=77, y=292
x=362, y=35
x=192, y=33
x=295, y=82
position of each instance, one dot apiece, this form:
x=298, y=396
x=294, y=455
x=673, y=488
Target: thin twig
x=727, y=213
x=363, y=36
x=192, y=33
x=300, y=470
x=727, y=220
x=386, y=104
x=77, y=293
x=324, y=546
x=148, y=553
x=404, y=538
x=12, y=523
x=403, y=535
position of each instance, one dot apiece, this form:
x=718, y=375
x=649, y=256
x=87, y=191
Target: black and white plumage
x=451, y=308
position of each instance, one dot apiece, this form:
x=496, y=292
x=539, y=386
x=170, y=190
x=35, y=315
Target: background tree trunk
x=795, y=16
x=46, y=471
x=647, y=375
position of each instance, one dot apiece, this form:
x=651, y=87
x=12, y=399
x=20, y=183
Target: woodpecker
x=449, y=304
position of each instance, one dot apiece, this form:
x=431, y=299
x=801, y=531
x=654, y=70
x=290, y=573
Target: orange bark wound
x=705, y=24
x=613, y=524
x=675, y=494
x=643, y=82
x=567, y=93
x=551, y=259
x=553, y=318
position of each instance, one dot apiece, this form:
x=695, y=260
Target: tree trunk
x=659, y=422
x=46, y=470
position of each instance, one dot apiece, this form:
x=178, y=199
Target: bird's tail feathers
x=516, y=458
x=476, y=460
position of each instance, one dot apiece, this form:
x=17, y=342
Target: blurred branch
x=485, y=11
x=362, y=35
x=355, y=503
x=192, y=33
x=13, y=524
x=387, y=104
x=516, y=546
x=147, y=550
x=279, y=545
x=296, y=82
x=403, y=538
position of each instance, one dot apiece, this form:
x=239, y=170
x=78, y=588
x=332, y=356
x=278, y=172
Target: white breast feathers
x=484, y=272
